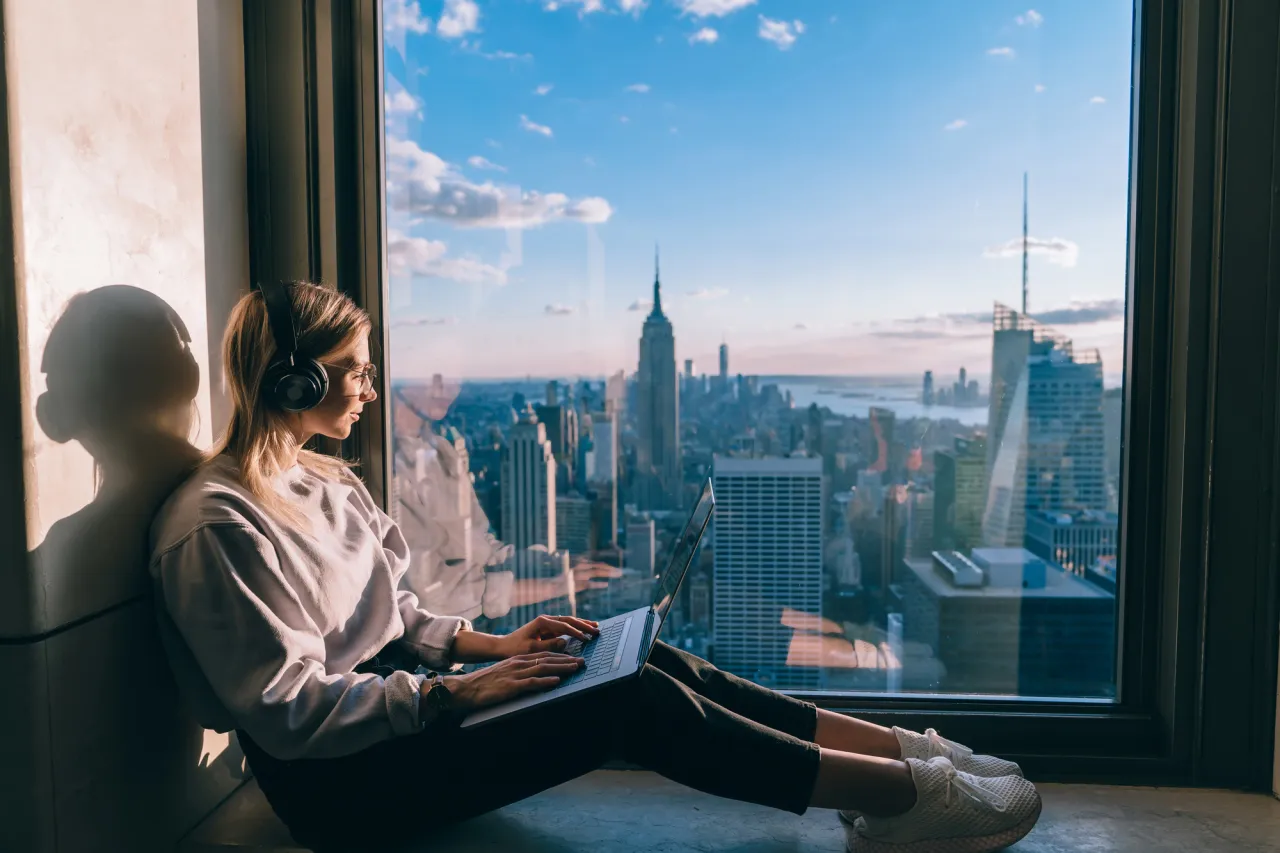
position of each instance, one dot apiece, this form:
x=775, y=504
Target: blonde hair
x=258, y=436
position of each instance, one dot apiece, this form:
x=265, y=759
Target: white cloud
x=956, y=125
x=639, y=88
x=1097, y=99
x=640, y=305
x=781, y=33
x=1031, y=19
x=675, y=130
x=589, y=161
x=505, y=54
x=1039, y=88
x=544, y=89
x=458, y=18
x=1001, y=51
x=706, y=35
x=711, y=8
x=399, y=16
x=624, y=119
x=708, y=293
x=558, y=310
x=635, y=7
x=417, y=256
x=1059, y=251
x=400, y=102
x=585, y=7
x=425, y=321
x=420, y=183
x=534, y=127
x=493, y=143
x=478, y=162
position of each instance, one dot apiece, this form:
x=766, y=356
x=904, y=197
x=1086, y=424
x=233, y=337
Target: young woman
x=285, y=620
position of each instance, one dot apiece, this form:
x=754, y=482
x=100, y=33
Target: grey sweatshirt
x=263, y=622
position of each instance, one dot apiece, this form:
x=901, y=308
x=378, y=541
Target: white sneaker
x=931, y=745
x=955, y=812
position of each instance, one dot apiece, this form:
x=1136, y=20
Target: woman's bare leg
x=849, y=734
x=876, y=786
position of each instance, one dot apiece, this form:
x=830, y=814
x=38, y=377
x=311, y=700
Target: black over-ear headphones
x=291, y=383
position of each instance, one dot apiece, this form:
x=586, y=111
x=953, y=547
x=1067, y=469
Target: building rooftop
x=1058, y=584
x=1064, y=518
x=770, y=465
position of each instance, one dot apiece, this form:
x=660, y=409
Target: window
x=887, y=319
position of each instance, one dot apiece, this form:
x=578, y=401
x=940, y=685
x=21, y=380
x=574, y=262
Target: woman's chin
x=338, y=432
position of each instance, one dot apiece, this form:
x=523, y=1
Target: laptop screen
x=668, y=583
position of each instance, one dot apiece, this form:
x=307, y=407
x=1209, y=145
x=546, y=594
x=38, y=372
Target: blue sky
x=831, y=181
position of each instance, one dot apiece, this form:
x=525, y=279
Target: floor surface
x=625, y=811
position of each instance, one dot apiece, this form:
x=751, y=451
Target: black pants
x=682, y=718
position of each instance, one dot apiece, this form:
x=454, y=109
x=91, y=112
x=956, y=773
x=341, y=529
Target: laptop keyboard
x=598, y=653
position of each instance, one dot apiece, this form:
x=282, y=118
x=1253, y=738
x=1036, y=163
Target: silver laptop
x=622, y=647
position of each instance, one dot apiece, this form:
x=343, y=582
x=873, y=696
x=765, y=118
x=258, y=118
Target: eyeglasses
x=366, y=376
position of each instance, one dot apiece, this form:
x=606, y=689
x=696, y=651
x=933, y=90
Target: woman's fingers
x=558, y=664
x=531, y=685
x=549, y=626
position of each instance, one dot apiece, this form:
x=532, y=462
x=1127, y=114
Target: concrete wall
x=126, y=163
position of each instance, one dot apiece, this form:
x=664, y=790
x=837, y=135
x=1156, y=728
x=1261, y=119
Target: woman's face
x=347, y=395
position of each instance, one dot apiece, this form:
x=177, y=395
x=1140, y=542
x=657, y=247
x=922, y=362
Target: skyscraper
x=602, y=476
x=960, y=477
x=641, y=547
x=768, y=556
x=926, y=396
x=529, y=486
x=657, y=411
x=1046, y=449
x=724, y=366
x=573, y=523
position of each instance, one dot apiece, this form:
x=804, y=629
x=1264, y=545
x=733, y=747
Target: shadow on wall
x=122, y=382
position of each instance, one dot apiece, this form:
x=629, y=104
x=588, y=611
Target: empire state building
x=658, y=410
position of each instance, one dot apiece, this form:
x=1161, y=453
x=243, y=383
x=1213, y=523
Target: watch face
x=439, y=698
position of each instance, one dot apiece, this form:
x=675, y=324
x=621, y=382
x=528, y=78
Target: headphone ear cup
x=295, y=387
x=319, y=377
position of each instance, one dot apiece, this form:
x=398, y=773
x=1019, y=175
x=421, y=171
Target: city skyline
x=860, y=239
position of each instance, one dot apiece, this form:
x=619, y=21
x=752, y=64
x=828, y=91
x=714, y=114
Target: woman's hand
x=512, y=677
x=545, y=634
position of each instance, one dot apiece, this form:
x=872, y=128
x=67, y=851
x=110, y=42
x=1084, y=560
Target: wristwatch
x=437, y=703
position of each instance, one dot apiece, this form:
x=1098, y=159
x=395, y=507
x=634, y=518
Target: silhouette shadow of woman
x=122, y=381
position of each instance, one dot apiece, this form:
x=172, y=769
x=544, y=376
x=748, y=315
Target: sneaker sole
x=857, y=843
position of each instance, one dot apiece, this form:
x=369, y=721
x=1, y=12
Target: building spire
x=1024, y=243
x=657, y=284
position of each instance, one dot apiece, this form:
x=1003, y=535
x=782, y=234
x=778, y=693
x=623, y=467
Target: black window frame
x=1197, y=683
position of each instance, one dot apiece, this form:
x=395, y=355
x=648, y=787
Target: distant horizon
x=1109, y=381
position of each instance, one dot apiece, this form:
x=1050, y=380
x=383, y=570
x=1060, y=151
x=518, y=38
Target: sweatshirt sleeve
x=429, y=636
x=265, y=658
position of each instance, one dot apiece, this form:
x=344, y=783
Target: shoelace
x=948, y=749
x=961, y=781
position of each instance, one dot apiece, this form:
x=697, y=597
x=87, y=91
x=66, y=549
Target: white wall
x=126, y=129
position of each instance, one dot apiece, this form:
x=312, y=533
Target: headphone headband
x=280, y=318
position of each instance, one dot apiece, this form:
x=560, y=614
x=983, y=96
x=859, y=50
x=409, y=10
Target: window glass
x=861, y=265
